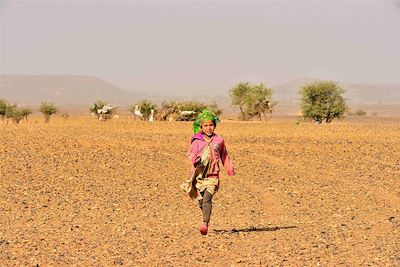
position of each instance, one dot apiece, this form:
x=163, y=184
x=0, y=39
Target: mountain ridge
x=79, y=90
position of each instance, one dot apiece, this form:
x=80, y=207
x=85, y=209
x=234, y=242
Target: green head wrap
x=205, y=115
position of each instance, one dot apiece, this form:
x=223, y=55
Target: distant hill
x=62, y=90
x=379, y=94
x=82, y=91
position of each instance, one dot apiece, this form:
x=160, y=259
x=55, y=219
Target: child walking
x=206, y=151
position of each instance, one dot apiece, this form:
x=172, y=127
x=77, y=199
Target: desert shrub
x=322, y=101
x=3, y=107
x=10, y=111
x=185, y=110
x=103, y=110
x=194, y=106
x=17, y=115
x=143, y=109
x=252, y=100
x=25, y=113
x=361, y=112
x=197, y=108
x=97, y=105
x=167, y=109
x=374, y=113
x=47, y=109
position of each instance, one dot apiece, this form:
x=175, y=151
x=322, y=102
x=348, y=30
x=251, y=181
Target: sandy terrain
x=82, y=192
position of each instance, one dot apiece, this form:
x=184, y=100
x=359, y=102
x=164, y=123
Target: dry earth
x=82, y=192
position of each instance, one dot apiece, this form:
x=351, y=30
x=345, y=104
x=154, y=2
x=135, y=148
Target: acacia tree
x=322, y=101
x=17, y=115
x=259, y=101
x=47, y=110
x=253, y=101
x=239, y=97
x=25, y=112
x=10, y=111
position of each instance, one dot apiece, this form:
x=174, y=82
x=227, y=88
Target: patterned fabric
x=199, y=182
x=205, y=157
x=205, y=115
x=218, y=153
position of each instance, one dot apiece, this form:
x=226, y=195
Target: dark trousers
x=206, y=206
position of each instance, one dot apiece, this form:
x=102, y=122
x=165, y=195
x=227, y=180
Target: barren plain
x=79, y=192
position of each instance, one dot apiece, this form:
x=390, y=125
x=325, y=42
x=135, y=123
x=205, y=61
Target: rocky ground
x=78, y=191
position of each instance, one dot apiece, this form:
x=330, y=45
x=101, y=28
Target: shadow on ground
x=252, y=229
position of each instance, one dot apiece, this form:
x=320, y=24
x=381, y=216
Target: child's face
x=208, y=127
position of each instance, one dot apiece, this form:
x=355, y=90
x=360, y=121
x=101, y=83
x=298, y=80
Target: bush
x=96, y=106
x=185, y=110
x=195, y=108
x=12, y=112
x=143, y=109
x=3, y=108
x=25, y=113
x=47, y=110
x=322, y=101
x=167, y=109
x=361, y=112
x=253, y=101
x=103, y=110
x=17, y=115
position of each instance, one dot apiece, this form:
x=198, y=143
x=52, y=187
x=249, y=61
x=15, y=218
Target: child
x=206, y=151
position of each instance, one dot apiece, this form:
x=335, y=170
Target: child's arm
x=192, y=153
x=226, y=161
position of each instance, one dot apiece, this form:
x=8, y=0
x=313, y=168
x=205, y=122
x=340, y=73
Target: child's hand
x=197, y=162
x=231, y=173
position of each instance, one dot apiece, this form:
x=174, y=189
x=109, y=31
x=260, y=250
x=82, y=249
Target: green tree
x=17, y=115
x=322, y=101
x=25, y=112
x=10, y=110
x=259, y=102
x=47, y=110
x=239, y=97
x=253, y=101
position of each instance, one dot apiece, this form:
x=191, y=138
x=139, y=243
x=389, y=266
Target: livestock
x=151, y=117
x=137, y=113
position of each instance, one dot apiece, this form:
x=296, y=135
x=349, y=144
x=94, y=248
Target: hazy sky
x=165, y=45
